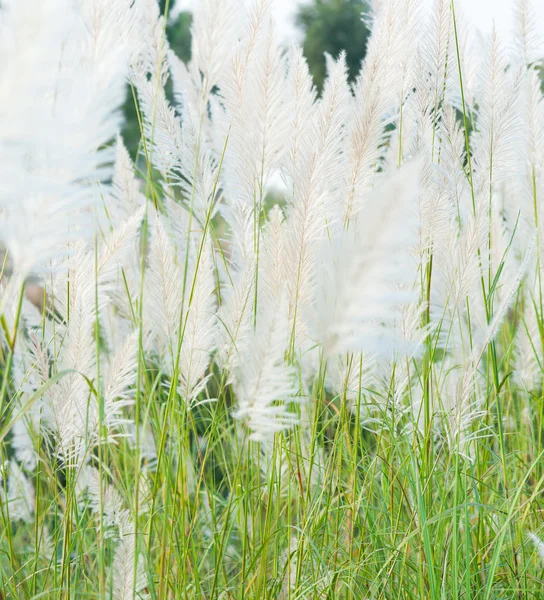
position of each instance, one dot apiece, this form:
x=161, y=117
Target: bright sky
x=480, y=12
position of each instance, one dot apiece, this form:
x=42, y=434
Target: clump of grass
x=206, y=396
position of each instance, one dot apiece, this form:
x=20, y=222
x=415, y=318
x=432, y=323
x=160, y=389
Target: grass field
x=217, y=388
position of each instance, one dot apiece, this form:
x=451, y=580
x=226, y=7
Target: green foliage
x=332, y=26
x=179, y=35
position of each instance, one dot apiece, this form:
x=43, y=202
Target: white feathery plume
x=178, y=147
x=264, y=383
x=418, y=118
x=467, y=402
x=303, y=98
x=163, y=295
x=314, y=192
x=30, y=371
x=241, y=238
x=235, y=321
x=376, y=93
x=461, y=263
x=252, y=114
x=73, y=407
x=114, y=249
x=503, y=227
x=122, y=203
x=529, y=186
x=463, y=405
x=196, y=171
x=449, y=172
x=345, y=376
x=465, y=65
x=394, y=388
x=406, y=45
x=235, y=79
x=272, y=271
x=438, y=53
x=150, y=46
x=161, y=125
x=125, y=198
x=70, y=398
x=440, y=146
x=126, y=582
x=119, y=382
x=193, y=333
x=261, y=111
x=510, y=292
x=255, y=115
x=433, y=70
x=214, y=34
x=53, y=138
x=115, y=517
x=183, y=232
x=539, y=545
x=118, y=525
x=235, y=315
x=362, y=270
x=527, y=42
x=534, y=123
x=23, y=440
x=528, y=351
x=497, y=139
x=199, y=328
x=437, y=213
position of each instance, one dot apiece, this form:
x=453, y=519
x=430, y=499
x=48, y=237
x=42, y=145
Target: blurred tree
x=332, y=26
x=178, y=33
x=178, y=29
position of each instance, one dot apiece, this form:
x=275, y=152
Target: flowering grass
x=215, y=387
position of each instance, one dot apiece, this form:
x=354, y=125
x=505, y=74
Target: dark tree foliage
x=179, y=36
x=332, y=26
x=178, y=32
